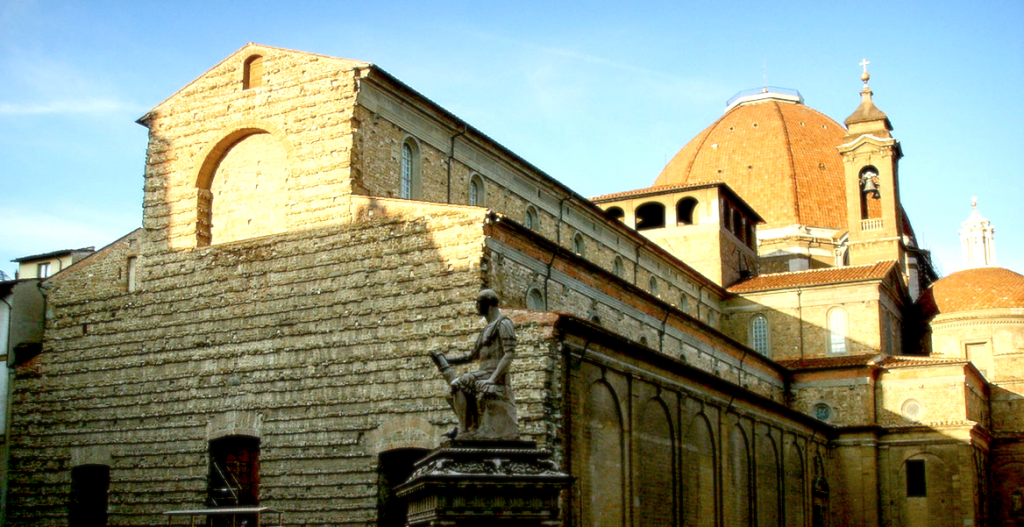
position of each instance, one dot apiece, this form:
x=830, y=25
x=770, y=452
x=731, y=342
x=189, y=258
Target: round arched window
x=578, y=245
x=535, y=299
x=477, y=192
x=618, y=268
x=531, y=220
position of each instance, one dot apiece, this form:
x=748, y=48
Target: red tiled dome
x=972, y=289
x=779, y=156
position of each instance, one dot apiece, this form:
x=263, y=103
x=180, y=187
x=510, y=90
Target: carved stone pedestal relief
x=477, y=483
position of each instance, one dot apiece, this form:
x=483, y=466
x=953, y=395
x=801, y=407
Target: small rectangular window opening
x=916, y=484
x=131, y=273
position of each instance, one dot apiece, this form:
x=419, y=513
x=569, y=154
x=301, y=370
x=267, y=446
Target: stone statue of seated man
x=483, y=399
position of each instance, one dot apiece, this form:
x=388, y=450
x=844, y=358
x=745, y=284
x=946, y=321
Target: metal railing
x=234, y=512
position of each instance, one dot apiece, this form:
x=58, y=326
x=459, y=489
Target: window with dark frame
x=234, y=478
x=405, y=190
x=916, y=483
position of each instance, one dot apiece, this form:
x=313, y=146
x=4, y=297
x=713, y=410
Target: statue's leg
x=458, y=402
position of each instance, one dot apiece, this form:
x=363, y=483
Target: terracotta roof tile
x=780, y=157
x=666, y=188
x=972, y=289
x=906, y=362
x=814, y=277
x=845, y=361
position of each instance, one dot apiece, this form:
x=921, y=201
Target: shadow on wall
x=930, y=474
x=322, y=332
x=659, y=445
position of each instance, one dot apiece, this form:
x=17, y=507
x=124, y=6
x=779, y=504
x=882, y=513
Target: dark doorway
x=393, y=468
x=88, y=504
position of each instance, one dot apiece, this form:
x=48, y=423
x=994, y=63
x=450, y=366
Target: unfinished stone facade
x=313, y=228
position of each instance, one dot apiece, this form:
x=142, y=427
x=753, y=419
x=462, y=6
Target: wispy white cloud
x=86, y=106
x=24, y=232
x=659, y=82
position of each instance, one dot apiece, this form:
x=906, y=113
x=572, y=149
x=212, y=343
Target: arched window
x=759, y=335
x=870, y=207
x=684, y=301
x=531, y=220
x=616, y=212
x=578, y=245
x=619, y=269
x=596, y=319
x=643, y=340
x=650, y=216
x=252, y=72
x=653, y=286
x=685, y=209
x=535, y=299
x=837, y=330
x=410, y=179
x=477, y=191
x=737, y=223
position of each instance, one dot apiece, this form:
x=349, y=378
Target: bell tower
x=871, y=160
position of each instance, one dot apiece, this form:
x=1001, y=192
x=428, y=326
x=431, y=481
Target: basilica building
x=755, y=339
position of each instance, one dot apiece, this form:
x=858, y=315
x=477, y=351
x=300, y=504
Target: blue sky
x=599, y=95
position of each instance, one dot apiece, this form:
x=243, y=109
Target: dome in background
x=777, y=154
x=974, y=289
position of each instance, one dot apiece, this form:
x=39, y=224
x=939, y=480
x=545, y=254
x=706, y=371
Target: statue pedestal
x=485, y=483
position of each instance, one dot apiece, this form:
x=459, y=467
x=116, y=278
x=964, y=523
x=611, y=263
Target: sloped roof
x=821, y=363
x=779, y=155
x=248, y=49
x=52, y=254
x=907, y=362
x=813, y=277
x=974, y=289
x=668, y=189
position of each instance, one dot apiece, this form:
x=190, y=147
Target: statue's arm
x=464, y=358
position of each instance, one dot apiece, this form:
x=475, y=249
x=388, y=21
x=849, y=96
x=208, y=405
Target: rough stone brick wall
x=378, y=160
x=940, y=390
x=996, y=341
x=1007, y=470
x=321, y=336
x=849, y=394
x=798, y=323
x=951, y=482
x=516, y=262
x=632, y=413
x=305, y=103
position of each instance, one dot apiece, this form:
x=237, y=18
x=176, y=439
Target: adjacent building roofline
x=53, y=254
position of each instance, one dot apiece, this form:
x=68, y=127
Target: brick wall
x=320, y=336
x=305, y=106
x=651, y=438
